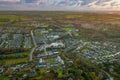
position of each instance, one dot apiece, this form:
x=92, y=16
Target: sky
x=59, y=5
x=26, y=5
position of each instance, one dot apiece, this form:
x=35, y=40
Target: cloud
x=10, y=0
x=59, y=4
x=31, y=1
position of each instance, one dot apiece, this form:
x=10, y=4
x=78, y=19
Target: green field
x=15, y=58
x=4, y=19
x=15, y=61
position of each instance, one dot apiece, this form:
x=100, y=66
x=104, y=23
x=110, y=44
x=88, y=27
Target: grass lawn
x=84, y=49
x=67, y=29
x=60, y=73
x=3, y=23
x=107, y=55
x=4, y=78
x=76, y=34
x=1, y=62
x=16, y=58
x=38, y=77
x=40, y=35
x=15, y=61
x=45, y=25
x=51, y=60
x=9, y=18
x=18, y=54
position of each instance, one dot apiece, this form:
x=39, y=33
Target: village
x=47, y=46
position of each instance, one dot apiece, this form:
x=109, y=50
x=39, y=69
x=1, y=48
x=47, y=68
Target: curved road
x=107, y=74
x=115, y=54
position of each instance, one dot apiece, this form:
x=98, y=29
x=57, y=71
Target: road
x=33, y=38
x=107, y=75
x=35, y=45
x=116, y=54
